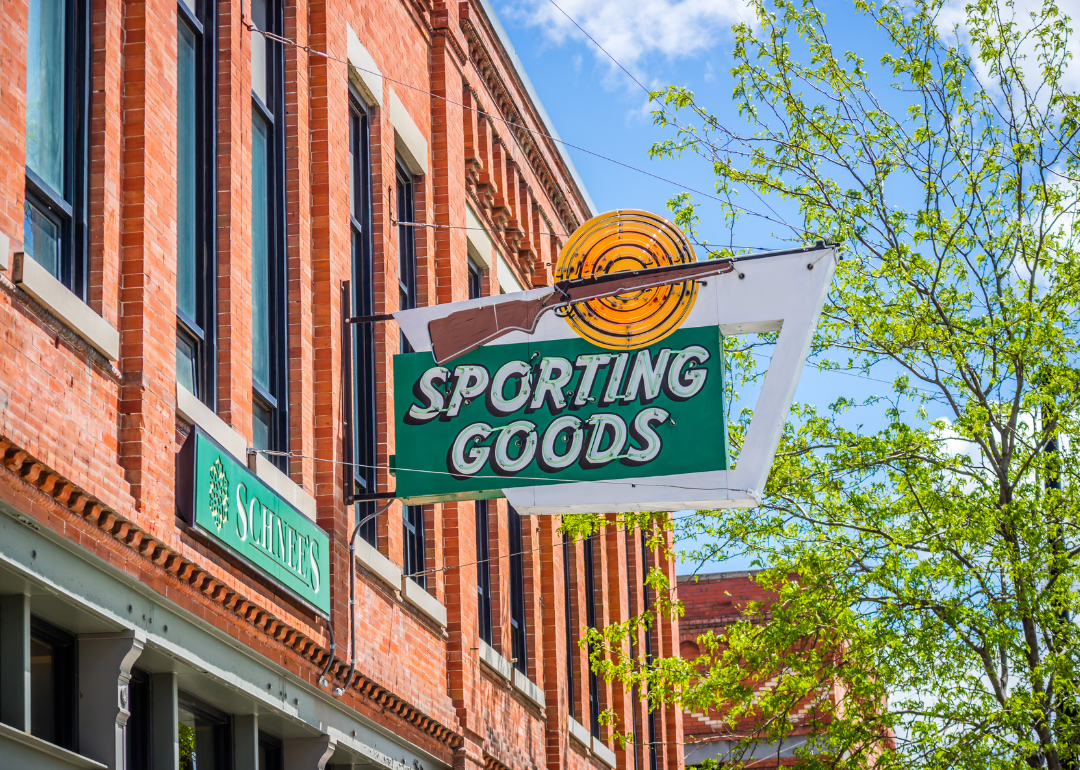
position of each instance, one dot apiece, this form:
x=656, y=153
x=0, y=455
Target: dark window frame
x=483, y=572
x=569, y=625
x=405, y=211
x=590, y=620
x=276, y=750
x=363, y=303
x=275, y=400
x=519, y=644
x=415, y=543
x=201, y=331
x=139, y=732
x=223, y=748
x=646, y=606
x=68, y=208
x=65, y=682
x=475, y=284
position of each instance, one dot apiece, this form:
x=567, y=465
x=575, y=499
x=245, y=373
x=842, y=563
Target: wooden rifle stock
x=464, y=331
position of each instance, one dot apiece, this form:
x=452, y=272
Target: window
x=590, y=619
x=204, y=736
x=648, y=645
x=271, y=753
x=195, y=195
x=415, y=544
x=518, y=639
x=269, y=325
x=139, y=725
x=474, y=280
x=57, y=113
x=363, y=302
x=53, y=701
x=569, y=624
x=483, y=572
x=406, y=247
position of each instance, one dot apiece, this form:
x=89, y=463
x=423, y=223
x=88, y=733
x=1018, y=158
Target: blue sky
x=596, y=106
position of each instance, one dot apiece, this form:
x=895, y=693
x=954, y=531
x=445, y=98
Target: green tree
x=933, y=534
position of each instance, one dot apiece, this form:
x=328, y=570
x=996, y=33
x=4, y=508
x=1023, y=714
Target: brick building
x=711, y=602
x=193, y=196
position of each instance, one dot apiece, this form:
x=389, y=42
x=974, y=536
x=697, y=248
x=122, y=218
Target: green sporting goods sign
x=226, y=501
x=528, y=414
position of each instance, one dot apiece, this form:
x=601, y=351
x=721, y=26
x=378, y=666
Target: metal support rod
x=369, y=319
x=371, y=497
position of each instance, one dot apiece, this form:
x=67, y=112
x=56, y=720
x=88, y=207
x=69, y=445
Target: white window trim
x=40, y=284
x=603, y=753
x=579, y=733
x=196, y=412
x=5, y=244
x=367, y=77
x=507, y=281
x=192, y=410
x=477, y=239
x=493, y=660
x=408, y=140
x=528, y=688
x=414, y=594
x=280, y=483
x=379, y=565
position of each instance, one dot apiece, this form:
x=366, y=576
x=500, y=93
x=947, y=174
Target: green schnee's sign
x=527, y=414
x=221, y=497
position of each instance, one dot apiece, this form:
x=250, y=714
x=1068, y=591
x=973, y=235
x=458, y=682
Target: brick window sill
x=59, y=300
x=192, y=410
x=414, y=594
x=603, y=753
x=526, y=687
x=579, y=733
x=494, y=661
x=378, y=564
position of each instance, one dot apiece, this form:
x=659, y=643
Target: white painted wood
x=785, y=292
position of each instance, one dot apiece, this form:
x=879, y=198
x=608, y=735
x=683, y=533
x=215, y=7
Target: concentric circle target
x=616, y=242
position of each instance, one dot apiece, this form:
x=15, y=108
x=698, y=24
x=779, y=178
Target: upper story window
x=406, y=245
x=269, y=323
x=566, y=550
x=363, y=302
x=518, y=636
x=57, y=111
x=474, y=280
x=483, y=572
x=590, y=620
x=196, y=363
x=646, y=605
x=415, y=543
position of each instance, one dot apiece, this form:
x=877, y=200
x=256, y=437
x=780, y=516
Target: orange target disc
x=619, y=241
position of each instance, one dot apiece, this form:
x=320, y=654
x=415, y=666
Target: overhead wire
x=512, y=124
x=548, y=480
x=652, y=98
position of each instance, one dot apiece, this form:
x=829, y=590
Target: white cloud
x=633, y=30
x=954, y=16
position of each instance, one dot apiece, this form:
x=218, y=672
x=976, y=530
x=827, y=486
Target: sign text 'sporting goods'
x=555, y=412
x=605, y=390
x=224, y=499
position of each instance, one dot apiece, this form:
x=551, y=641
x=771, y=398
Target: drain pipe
x=338, y=691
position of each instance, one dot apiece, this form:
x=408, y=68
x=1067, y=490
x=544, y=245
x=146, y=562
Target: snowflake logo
x=219, y=494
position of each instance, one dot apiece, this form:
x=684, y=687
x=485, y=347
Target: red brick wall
x=87, y=445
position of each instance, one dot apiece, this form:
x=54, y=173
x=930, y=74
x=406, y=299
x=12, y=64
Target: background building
x=186, y=190
x=711, y=602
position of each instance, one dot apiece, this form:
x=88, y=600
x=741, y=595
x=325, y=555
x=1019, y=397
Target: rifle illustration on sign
x=604, y=391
